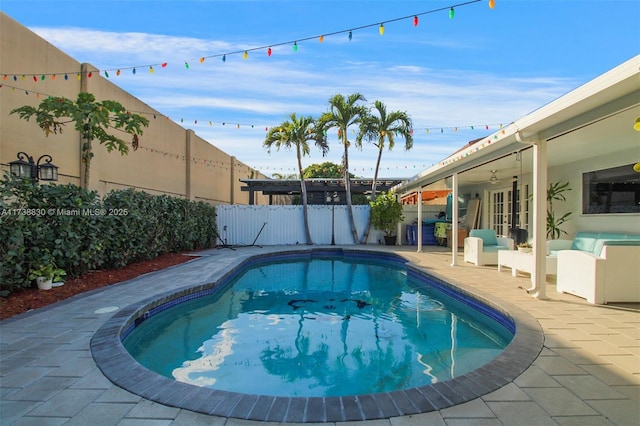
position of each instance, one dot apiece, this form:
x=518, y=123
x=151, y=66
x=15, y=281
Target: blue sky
x=483, y=67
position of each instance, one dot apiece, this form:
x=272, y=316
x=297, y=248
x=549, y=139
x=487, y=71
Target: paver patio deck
x=588, y=372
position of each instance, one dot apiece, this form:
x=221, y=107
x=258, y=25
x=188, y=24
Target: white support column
x=398, y=228
x=539, y=273
x=454, y=220
x=419, y=231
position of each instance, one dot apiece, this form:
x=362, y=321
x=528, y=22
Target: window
x=615, y=190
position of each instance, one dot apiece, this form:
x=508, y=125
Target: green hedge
x=78, y=231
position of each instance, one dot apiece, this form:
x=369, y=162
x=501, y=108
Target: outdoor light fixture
x=25, y=167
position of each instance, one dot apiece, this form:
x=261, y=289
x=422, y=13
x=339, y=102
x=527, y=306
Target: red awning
x=426, y=196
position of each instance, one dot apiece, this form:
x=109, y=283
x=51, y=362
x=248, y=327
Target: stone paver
x=588, y=372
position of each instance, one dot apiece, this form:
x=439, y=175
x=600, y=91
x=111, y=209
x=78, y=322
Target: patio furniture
x=481, y=247
x=600, y=267
x=524, y=262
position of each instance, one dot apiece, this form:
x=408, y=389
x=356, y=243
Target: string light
x=414, y=17
x=245, y=55
x=295, y=46
x=269, y=52
x=427, y=130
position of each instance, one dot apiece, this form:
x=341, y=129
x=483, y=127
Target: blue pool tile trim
x=119, y=367
x=482, y=307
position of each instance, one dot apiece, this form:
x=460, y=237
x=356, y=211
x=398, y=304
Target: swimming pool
x=119, y=367
x=320, y=325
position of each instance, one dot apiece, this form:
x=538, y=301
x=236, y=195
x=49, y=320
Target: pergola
x=319, y=190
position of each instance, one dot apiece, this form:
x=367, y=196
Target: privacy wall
x=169, y=159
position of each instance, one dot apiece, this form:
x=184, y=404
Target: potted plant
x=524, y=247
x=555, y=193
x=46, y=274
x=386, y=214
x=43, y=274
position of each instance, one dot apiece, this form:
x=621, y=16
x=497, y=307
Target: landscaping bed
x=26, y=299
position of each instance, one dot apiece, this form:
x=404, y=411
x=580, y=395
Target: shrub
x=77, y=231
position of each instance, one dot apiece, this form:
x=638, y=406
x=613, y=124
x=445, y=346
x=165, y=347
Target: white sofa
x=600, y=267
x=482, y=245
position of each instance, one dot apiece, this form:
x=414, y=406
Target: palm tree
x=376, y=128
x=344, y=113
x=298, y=132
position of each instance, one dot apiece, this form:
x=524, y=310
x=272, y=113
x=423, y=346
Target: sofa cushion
x=493, y=249
x=584, y=241
x=593, y=242
x=614, y=242
x=488, y=236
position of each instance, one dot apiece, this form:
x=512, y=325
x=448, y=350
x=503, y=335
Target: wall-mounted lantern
x=24, y=167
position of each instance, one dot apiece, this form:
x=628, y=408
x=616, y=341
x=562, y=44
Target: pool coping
x=120, y=368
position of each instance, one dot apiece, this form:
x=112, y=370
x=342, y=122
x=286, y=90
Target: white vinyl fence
x=240, y=225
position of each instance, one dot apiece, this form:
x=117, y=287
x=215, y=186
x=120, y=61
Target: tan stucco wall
x=170, y=159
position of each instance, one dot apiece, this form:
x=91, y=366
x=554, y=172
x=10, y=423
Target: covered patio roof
x=593, y=121
x=563, y=123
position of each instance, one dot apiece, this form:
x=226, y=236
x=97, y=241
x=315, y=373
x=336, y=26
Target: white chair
x=482, y=245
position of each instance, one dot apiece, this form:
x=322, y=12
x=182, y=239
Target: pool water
x=330, y=326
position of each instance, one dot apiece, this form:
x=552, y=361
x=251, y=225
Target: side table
x=524, y=262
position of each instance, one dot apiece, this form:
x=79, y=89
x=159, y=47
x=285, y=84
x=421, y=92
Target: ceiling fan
x=494, y=179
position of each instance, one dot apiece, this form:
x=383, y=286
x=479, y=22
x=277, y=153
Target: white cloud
x=263, y=91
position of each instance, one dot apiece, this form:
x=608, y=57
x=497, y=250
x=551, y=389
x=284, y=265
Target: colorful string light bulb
x=269, y=52
x=245, y=55
x=350, y=35
x=295, y=46
x=452, y=13
x=224, y=58
x=492, y=4
x=415, y=21
x=321, y=38
x=381, y=29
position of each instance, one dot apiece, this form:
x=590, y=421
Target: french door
x=500, y=207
